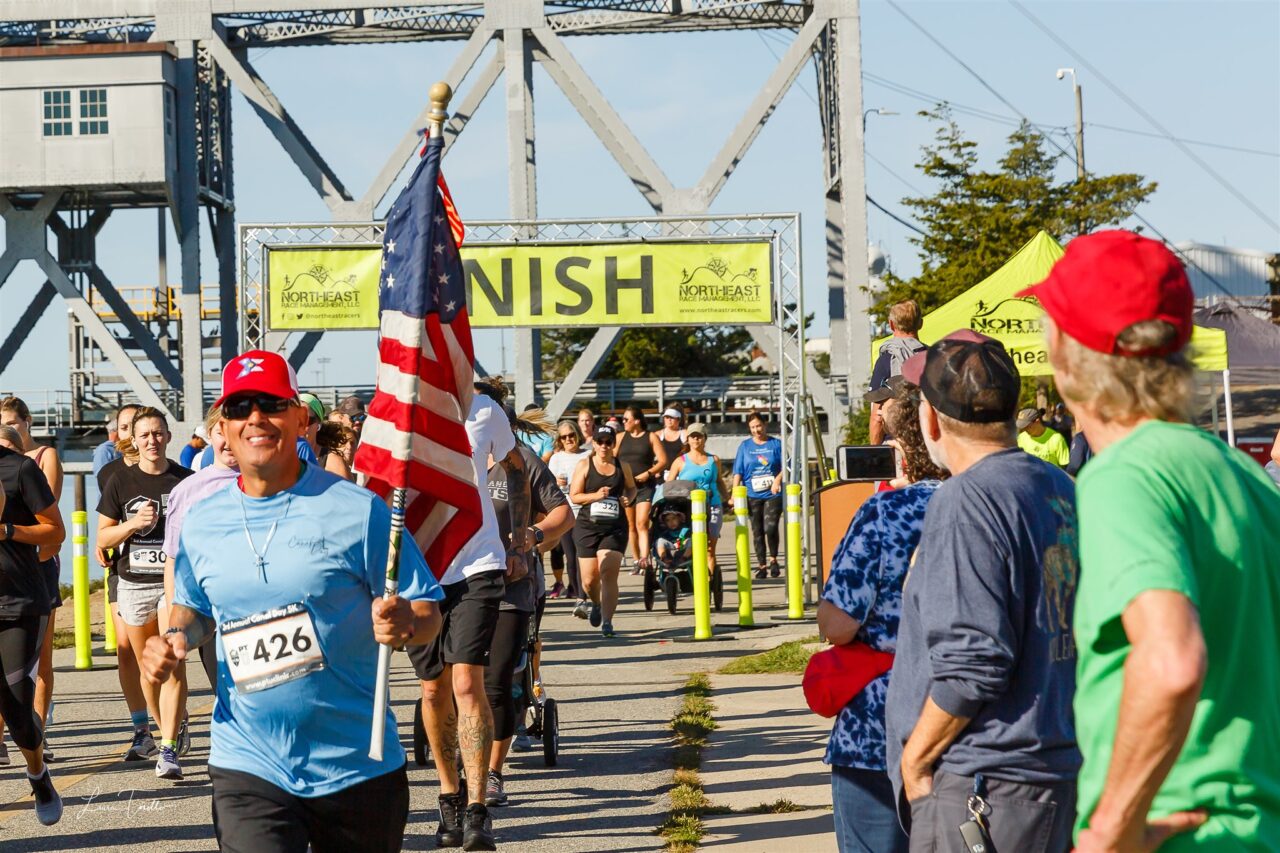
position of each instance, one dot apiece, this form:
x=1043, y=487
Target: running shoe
x=449, y=834
x=522, y=742
x=44, y=745
x=557, y=591
x=143, y=746
x=494, y=794
x=48, y=803
x=596, y=616
x=774, y=570
x=184, y=736
x=167, y=766
x=4, y=754
x=580, y=609
x=637, y=569
x=477, y=832
x=762, y=573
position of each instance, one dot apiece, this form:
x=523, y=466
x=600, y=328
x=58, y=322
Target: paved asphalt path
x=607, y=792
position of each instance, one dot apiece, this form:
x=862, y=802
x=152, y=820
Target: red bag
x=835, y=675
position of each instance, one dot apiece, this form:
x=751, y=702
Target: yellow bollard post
x=701, y=574
x=109, y=629
x=746, y=618
x=795, y=564
x=80, y=588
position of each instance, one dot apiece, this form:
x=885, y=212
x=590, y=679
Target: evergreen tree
x=977, y=219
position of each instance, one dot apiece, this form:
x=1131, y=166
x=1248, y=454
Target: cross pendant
x=262, y=568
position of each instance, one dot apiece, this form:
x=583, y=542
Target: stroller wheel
x=672, y=587
x=419, y=736
x=650, y=588
x=717, y=589
x=550, y=733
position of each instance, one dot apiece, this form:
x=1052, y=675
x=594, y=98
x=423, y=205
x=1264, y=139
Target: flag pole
x=440, y=94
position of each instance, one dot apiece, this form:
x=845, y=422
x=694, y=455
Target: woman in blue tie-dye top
x=862, y=602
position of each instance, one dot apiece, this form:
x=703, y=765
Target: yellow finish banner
x=322, y=288
x=539, y=285
x=551, y=285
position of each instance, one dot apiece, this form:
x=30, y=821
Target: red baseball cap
x=1109, y=280
x=261, y=372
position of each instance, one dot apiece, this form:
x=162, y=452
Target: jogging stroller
x=673, y=501
x=544, y=724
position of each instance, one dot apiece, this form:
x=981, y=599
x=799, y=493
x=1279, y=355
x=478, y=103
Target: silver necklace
x=261, y=556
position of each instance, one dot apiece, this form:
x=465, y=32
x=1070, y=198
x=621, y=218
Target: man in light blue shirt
x=285, y=568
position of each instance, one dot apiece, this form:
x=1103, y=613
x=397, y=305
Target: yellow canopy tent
x=991, y=307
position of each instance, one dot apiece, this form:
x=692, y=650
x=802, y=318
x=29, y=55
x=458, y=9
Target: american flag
x=415, y=436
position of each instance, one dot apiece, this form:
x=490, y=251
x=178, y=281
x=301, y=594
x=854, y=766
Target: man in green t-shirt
x=1177, y=612
x=1041, y=441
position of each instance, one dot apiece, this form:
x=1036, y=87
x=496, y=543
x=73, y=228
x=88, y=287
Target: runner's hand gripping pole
x=440, y=95
x=391, y=587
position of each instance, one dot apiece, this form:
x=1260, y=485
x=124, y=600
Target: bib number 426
x=281, y=646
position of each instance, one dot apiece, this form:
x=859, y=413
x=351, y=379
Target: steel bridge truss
x=523, y=32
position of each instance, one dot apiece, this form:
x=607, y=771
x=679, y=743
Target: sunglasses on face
x=568, y=436
x=239, y=408
x=605, y=442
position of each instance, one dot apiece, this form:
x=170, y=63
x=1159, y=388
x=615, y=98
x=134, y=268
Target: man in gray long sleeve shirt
x=985, y=668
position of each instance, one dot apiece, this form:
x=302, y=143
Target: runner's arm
x=676, y=468
x=577, y=483
x=519, y=500
x=47, y=530
x=194, y=625
x=51, y=466
x=629, y=491
x=660, y=459
x=554, y=525
x=112, y=532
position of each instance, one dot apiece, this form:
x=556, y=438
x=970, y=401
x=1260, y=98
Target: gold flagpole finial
x=440, y=95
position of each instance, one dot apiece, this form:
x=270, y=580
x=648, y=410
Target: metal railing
x=50, y=410
x=149, y=302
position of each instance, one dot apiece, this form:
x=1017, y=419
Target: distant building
x=1241, y=272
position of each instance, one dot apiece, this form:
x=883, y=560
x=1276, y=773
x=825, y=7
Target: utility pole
x=1075, y=86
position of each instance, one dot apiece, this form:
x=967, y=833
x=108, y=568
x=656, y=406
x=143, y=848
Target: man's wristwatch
x=538, y=535
x=8, y=532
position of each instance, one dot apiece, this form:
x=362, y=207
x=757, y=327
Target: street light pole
x=880, y=111
x=1075, y=86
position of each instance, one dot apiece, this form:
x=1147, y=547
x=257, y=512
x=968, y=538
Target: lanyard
x=261, y=557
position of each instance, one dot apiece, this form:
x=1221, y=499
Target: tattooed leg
x=440, y=719
x=475, y=727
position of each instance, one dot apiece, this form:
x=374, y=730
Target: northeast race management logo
x=322, y=288
x=1018, y=323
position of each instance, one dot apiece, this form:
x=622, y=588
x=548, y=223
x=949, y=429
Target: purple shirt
x=187, y=494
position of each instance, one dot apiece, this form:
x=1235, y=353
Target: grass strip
x=789, y=658
x=683, y=829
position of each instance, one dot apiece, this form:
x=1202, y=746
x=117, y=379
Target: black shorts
x=588, y=539
x=113, y=584
x=470, y=611
x=51, y=568
x=250, y=815
x=644, y=495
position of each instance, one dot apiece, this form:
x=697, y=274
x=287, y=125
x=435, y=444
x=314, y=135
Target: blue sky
x=1207, y=71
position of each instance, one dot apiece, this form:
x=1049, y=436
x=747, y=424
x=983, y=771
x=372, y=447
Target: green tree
x=977, y=219
x=646, y=353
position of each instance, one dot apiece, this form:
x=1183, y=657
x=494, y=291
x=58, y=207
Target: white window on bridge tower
x=93, y=112
x=57, y=112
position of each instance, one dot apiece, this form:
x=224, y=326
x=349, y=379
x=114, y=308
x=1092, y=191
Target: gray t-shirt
x=986, y=623
x=523, y=595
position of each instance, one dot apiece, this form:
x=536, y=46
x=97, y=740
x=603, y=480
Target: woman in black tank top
x=603, y=487
x=671, y=436
x=644, y=454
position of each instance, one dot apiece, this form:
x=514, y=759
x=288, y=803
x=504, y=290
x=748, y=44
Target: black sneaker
x=477, y=833
x=774, y=571
x=494, y=794
x=143, y=746
x=449, y=834
x=48, y=803
x=762, y=573
x=596, y=617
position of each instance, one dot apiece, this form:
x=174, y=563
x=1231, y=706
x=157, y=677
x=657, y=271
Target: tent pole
x=1226, y=394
